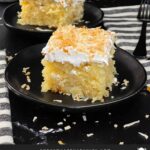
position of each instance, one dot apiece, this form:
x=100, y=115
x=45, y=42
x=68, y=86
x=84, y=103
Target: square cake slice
x=50, y=13
x=79, y=62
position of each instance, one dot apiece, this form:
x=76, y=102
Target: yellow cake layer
x=89, y=81
x=49, y=13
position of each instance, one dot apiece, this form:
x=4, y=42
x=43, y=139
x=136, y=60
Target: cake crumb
x=64, y=119
x=131, y=124
x=34, y=118
x=148, y=88
x=90, y=134
x=61, y=142
x=121, y=143
x=143, y=135
x=67, y=127
x=57, y=100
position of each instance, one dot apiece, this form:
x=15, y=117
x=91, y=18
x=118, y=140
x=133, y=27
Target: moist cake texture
x=50, y=13
x=79, y=62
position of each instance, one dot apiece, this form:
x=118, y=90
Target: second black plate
x=92, y=17
x=127, y=67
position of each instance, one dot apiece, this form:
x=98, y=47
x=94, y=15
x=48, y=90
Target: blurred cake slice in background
x=79, y=62
x=50, y=13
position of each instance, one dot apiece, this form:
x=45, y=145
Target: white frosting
x=75, y=57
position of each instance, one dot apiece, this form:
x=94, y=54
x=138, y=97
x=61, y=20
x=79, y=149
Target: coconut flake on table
x=125, y=82
x=60, y=142
x=115, y=125
x=143, y=135
x=90, y=134
x=46, y=130
x=131, y=124
x=44, y=30
x=34, y=118
x=97, y=121
x=67, y=127
x=146, y=116
x=109, y=113
x=60, y=123
x=68, y=116
x=74, y=123
x=121, y=143
x=57, y=100
x=84, y=118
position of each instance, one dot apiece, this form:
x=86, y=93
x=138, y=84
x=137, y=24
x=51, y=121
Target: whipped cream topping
x=76, y=57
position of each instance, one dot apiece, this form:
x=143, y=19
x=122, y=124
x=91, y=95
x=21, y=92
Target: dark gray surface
x=105, y=133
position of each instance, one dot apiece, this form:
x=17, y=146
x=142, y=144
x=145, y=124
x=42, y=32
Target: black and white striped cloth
x=123, y=20
x=5, y=115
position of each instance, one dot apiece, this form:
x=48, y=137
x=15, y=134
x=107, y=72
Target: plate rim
x=10, y=26
x=30, y=98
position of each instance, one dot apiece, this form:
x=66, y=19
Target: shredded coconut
x=90, y=134
x=131, y=124
x=67, y=127
x=143, y=135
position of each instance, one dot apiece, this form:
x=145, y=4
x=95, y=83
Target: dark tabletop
x=23, y=111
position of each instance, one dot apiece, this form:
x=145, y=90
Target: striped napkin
x=5, y=115
x=123, y=20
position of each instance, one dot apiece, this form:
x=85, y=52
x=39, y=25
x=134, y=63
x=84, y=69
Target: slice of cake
x=78, y=62
x=51, y=13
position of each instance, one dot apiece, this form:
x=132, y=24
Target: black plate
x=7, y=1
x=92, y=15
x=127, y=67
